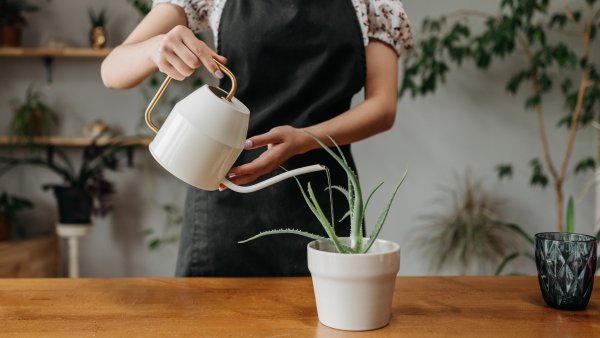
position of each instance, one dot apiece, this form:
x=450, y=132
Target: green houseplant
x=32, y=117
x=353, y=278
x=553, y=39
x=10, y=205
x=469, y=234
x=85, y=191
x=12, y=21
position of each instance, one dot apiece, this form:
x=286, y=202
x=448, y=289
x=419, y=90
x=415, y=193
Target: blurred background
x=467, y=129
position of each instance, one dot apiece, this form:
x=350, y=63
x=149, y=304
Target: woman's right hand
x=178, y=53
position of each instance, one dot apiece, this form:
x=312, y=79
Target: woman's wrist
x=151, y=48
x=307, y=143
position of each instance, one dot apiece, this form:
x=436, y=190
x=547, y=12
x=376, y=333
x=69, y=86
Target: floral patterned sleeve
x=389, y=23
x=196, y=11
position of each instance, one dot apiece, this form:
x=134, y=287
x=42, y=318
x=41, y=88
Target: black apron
x=298, y=63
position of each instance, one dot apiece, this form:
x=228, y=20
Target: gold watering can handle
x=165, y=84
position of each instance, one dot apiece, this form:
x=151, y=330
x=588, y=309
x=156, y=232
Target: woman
x=298, y=64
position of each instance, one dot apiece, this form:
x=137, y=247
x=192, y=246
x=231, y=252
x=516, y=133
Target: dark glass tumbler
x=566, y=263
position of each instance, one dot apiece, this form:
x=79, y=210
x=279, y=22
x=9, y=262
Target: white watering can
x=203, y=136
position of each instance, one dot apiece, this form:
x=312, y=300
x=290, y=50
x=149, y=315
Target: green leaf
x=154, y=244
x=518, y=230
x=511, y=258
x=281, y=232
x=585, y=165
x=328, y=227
x=357, y=206
x=322, y=219
x=383, y=216
x=346, y=215
x=340, y=189
x=570, y=221
x=371, y=195
x=533, y=101
x=538, y=175
x=504, y=171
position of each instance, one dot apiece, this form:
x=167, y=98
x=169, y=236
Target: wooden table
x=279, y=307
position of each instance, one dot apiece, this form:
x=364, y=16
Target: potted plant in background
x=469, y=235
x=12, y=21
x=32, y=117
x=84, y=192
x=9, y=206
x=353, y=278
x=98, y=31
x=556, y=45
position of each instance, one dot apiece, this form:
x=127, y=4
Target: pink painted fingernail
x=230, y=175
x=248, y=144
x=219, y=74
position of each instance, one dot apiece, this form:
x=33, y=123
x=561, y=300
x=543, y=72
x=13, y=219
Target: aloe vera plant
x=356, y=209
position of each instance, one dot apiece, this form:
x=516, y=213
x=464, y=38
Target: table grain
x=279, y=307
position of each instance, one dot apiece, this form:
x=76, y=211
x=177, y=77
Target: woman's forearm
x=161, y=41
x=376, y=113
x=129, y=64
x=371, y=117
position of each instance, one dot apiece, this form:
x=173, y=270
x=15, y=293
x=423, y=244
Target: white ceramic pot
x=354, y=292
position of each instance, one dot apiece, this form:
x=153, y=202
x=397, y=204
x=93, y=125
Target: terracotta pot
x=4, y=227
x=10, y=36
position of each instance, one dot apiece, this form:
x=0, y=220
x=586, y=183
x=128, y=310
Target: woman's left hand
x=282, y=142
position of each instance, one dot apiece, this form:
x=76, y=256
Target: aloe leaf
x=324, y=222
x=371, y=195
x=570, y=216
x=306, y=199
x=357, y=205
x=340, y=189
x=283, y=231
x=346, y=215
x=383, y=216
x=338, y=149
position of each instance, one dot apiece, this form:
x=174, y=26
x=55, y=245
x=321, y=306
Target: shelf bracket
x=48, y=61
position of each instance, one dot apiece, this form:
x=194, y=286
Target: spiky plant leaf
x=284, y=231
x=570, y=222
x=357, y=205
x=371, y=195
x=323, y=219
x=340, y=189
x=383, y=216
x=346, y=215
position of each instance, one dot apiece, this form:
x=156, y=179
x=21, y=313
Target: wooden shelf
x=61, y=141
x=54, y=53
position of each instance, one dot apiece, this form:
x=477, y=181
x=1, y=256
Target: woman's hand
x=178, y=53
x=281, y=142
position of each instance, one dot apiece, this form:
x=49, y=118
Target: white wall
x=469, y=123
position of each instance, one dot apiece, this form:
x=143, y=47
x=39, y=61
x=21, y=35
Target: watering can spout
x=273, y=180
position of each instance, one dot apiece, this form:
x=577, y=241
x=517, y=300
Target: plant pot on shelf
x=354, y=291
x=10, y=36
x=98, y=37
x=4, y=227
x=74, y=205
